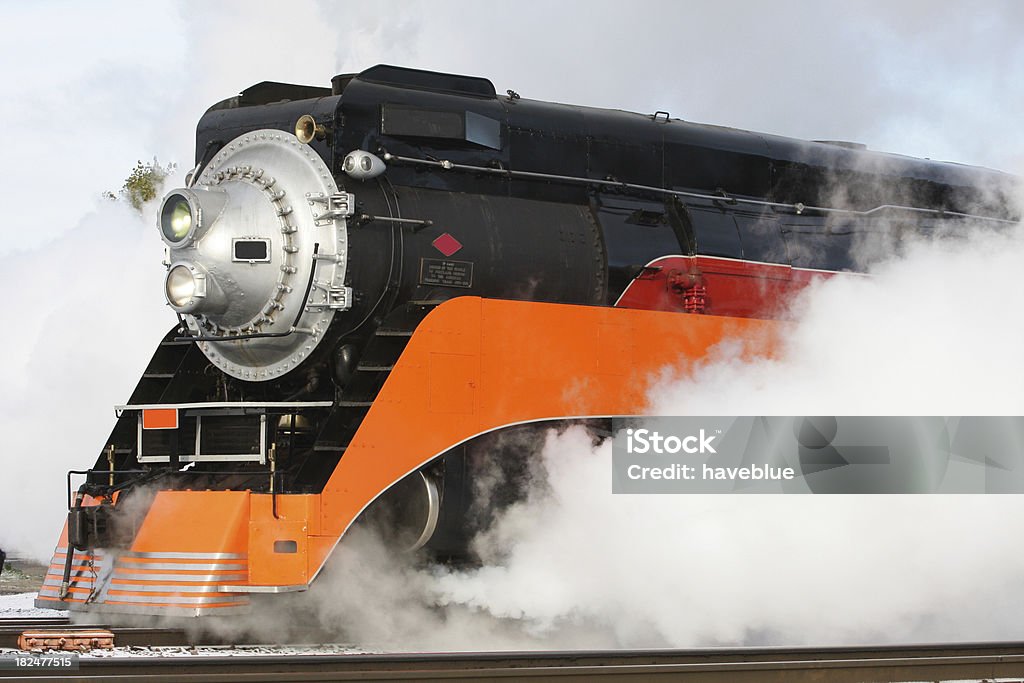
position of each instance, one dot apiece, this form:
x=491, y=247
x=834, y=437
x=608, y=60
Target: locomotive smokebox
x=256, y=254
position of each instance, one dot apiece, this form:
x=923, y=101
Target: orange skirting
x=473, y=365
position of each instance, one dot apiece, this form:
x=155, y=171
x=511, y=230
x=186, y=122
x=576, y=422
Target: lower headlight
x=180, y=286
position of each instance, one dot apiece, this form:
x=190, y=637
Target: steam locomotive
x=377, y=282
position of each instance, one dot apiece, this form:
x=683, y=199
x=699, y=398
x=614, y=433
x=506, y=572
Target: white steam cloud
x=934, y=333
x=85, y=314
x=580, y=565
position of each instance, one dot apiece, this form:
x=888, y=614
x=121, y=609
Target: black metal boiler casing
x=546, y=238
x=480, y=238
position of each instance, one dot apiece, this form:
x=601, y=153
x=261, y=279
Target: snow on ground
x=215, y=651
x=20, y=605
x=225, y=651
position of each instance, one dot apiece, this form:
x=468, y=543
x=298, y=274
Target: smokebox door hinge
x=337, y=205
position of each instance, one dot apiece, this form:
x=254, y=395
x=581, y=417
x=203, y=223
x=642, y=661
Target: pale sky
x=92, y=87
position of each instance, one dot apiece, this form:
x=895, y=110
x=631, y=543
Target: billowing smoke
x=934, y=333
x=648, y=571
x=83, y=335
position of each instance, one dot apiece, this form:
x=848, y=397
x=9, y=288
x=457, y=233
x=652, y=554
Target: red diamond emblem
x=446, y=244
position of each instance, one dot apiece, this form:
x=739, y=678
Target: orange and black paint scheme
x=536, y=264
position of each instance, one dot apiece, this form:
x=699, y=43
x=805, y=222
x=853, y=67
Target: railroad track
x=10, y=629
x=33, y=622
x=984, y=661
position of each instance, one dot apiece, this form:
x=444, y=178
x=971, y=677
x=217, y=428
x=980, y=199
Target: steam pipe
x=798, y=207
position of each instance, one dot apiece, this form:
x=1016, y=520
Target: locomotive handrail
x=226, y=405
x=797, y=207
x=223, y=404
x=183, y=471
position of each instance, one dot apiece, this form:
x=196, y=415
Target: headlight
x=362, y=165
x=176, y=218
x=186, y=214
x=180, y=286
x=189, y=288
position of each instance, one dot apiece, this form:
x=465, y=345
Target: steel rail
x=838, y=664
x=33, y=622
